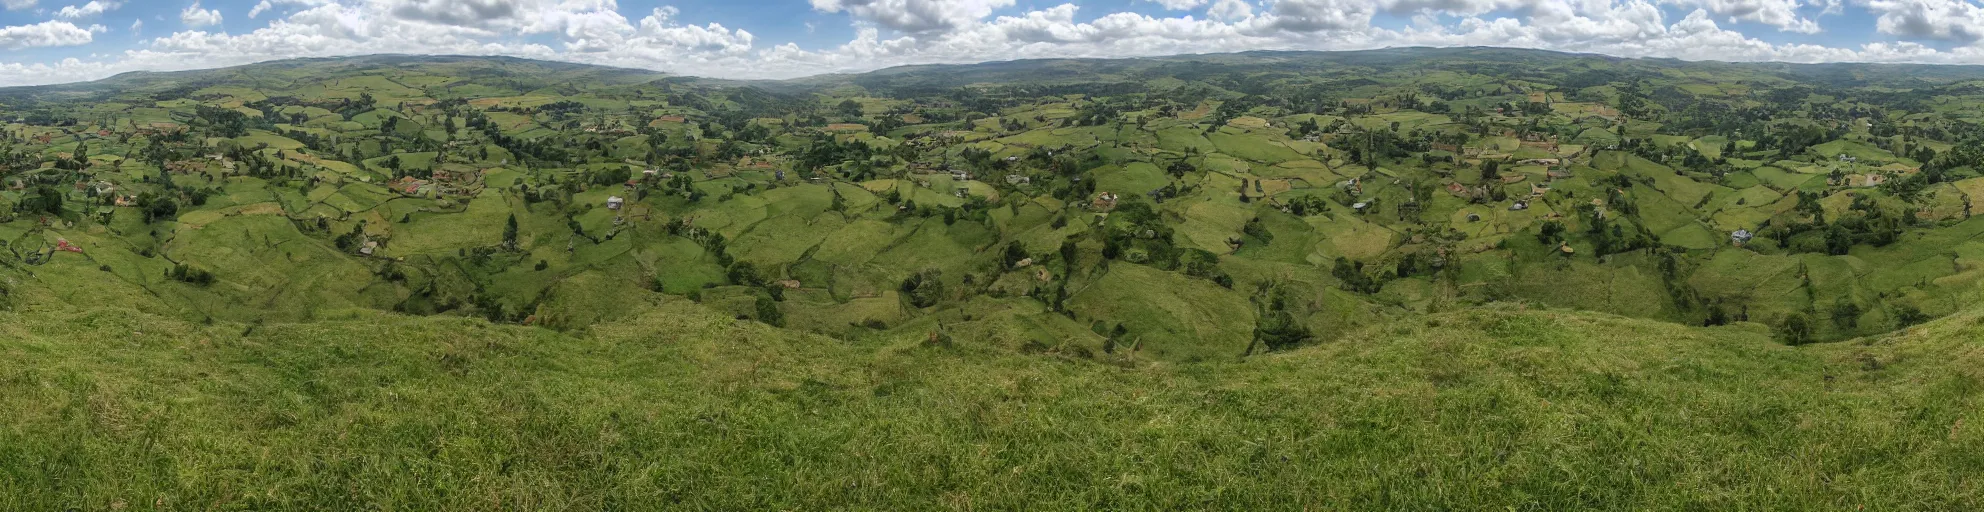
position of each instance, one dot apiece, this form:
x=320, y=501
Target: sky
x=58, y=41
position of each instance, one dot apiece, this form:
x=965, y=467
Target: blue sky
x=50, y=41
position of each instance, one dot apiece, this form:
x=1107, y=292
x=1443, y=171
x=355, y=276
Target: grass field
x=675, y=408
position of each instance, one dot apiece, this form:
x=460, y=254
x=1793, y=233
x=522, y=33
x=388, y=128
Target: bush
x=1796, y=329
x=769, y=313
x=924, y=288
x=190, y=275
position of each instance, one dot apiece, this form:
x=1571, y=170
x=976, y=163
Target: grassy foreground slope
x=680, y=407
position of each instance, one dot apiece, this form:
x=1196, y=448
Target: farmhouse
x=1740, y=237
x=614, y=202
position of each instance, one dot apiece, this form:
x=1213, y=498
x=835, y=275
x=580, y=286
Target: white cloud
x=137, y=26
x=915, y=16
x=1946, y=20
x=1230, y=10
x=196, y=17
x=1308, y=16
x=15, y=5
x=88, y=10
x=1782, y=14
x=267, y=5
x=1179, y=5
x=47, y=33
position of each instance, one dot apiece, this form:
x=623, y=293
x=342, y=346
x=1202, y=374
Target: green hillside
x=1461, y=278
x=681, y=407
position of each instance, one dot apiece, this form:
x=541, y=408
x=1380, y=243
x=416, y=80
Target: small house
x=1015, y=179
x=1105, y=200
x=1519, y=206
x=369, y=248
x=614, y=202
x=1741, y=236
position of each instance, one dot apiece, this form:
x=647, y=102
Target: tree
x=769, y=313
x=510, y=233
x=1277, y=328
x=160, y=208
x=743, y=273
x=1552, y=233
x=1796, y=329
x=924, y=288
x=1846, y=314
x=45, y=199
x=1014, y=254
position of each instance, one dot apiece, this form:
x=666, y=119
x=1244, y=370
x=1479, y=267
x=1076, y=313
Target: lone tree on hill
x=510, y=233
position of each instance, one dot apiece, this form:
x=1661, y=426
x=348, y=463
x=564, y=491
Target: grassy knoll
x=680, y=408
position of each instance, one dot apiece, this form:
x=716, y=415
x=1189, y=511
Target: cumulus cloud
x=89, y=10
x=268, y=5
x=1945, y=20
x=1782, y=14
x=915, y=16
x=47, y=33
x=1308, y=16
x=194, y=16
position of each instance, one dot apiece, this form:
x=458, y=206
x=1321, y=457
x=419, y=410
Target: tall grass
x=680, y=408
